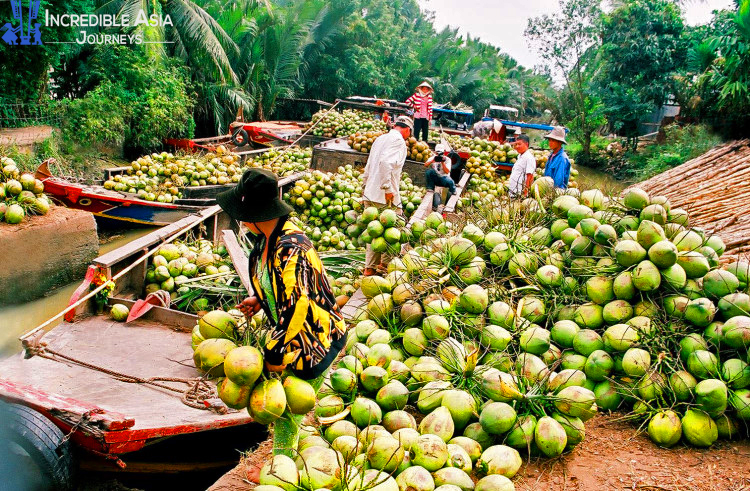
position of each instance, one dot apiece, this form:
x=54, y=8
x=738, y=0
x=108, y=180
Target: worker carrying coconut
x=291, y=287
x=421, y=103
x=438, y=174
x=382, y=178
x=558, y=163
x=522, y=174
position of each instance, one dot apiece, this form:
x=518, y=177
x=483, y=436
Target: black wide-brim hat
x=255, y=198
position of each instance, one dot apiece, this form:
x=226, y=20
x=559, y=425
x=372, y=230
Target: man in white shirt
x=382, y=176
x=522, y=174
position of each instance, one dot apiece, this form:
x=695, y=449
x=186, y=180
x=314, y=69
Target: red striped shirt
x=422, y=104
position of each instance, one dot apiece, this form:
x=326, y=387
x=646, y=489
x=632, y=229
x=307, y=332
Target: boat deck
x=140, y=348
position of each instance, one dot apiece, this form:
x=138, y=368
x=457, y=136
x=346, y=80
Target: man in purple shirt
x=558, y=163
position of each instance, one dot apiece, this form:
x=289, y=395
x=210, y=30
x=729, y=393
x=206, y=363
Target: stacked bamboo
x=715, y=190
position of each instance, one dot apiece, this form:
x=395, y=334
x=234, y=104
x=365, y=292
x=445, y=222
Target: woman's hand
x=249, y=306
x=275, y=368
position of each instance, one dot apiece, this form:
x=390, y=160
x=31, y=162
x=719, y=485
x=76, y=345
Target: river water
x=17, y=319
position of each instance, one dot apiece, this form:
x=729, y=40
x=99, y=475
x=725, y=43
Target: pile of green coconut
x=497, y=336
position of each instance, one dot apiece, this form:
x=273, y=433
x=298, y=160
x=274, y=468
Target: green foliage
x=681, y=143
x=717, y=80
x=135, y=103
x=641, y=49
x=568, y=42
x=23, y=80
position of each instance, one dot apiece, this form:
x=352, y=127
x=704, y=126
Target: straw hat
x=557, y=133
x=425, y=84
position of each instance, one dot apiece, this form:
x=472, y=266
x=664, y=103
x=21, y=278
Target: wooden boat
x=82, y=381
x=111, y=205
x=119, y=208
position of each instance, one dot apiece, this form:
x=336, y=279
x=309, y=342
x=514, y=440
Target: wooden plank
x=99, y=465
x=423, y=209
x=238, y=257
x=145, y=242
x=450, y=206
x=177, y=319
x=354, y=306
x=67, y=408
x=113, y=171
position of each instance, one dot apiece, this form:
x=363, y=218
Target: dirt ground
x=612, y=456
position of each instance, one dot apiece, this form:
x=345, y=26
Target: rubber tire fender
x=240, y=138
x=42, y=440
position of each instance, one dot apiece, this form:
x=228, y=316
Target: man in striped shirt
x=421, y=102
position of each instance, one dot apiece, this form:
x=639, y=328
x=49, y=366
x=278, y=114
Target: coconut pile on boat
x=21, y=194
x=197, y=275
x=162, y=176
x=500, y=336
x=344, y=123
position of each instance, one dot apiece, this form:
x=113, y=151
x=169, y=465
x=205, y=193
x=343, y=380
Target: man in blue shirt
x=558, y=163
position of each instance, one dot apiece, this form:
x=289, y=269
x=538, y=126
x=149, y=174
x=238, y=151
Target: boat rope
x=200, y=394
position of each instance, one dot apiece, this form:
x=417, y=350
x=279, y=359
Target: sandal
x=369, y=272
x=381, y=268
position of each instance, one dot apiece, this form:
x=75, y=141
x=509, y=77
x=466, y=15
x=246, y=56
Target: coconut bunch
x=362, y=141
x=411, y=195
x=417, y=150
x=226, y=347
x=345, y=123
x=21, y=194
x=283, y=163
x=197, y=275
x=384, y=230
x=322, y=201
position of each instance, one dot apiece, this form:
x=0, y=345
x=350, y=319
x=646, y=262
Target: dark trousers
x=434, y=179
x=423, y=125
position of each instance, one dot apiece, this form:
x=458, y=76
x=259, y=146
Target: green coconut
x=494, y=482
x=575, y=401
x=617, y=311
x=736, y=332
x=665, y=428
x=700, y=312
x=589, y=315
x=218, y=324
x=608, y=397
x=415, y=478
x=655, y=213
x=550, y=436
x=474, y=299
x=267, y=401
x=620, y=337
x=711, y=396
x=574, y=428
x=718, y=283
x=734, y=304
x=629, y=252
x=736, y=373
x=430, y=452
x=393, y=395
x=497, y=418
x=586, y=341
x=740, y=402
x=599, y=365
x=682, y=383
x=280, y=471
x=635, y=198
x=674, y=276
x=636, y=362
x=365, y=412
x=702, y=364
x=623, y=286
x=674, y=305
x=563, y=332
x=329, y=405
x=501, y=460
x=649, y=233
x=694, y=263
x=699, y=429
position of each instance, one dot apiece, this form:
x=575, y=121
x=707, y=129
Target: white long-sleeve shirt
x=383, y=170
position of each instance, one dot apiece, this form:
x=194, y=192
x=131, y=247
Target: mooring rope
x=200, y=394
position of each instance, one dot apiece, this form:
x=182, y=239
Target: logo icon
x=14, y=34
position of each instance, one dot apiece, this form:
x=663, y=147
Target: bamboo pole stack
x=715, y=190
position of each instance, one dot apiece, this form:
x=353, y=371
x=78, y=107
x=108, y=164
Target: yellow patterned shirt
x=309, y=323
